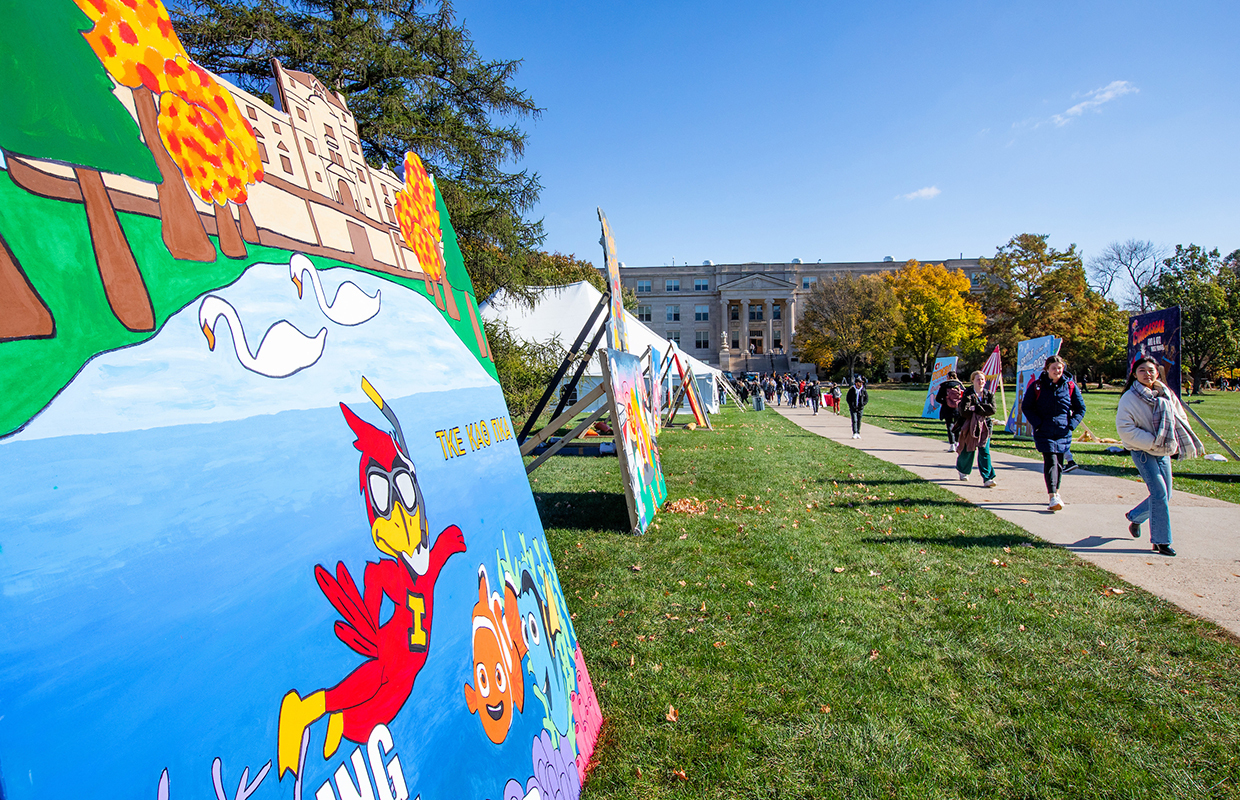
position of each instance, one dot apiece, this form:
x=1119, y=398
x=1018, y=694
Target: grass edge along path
x=832, y=626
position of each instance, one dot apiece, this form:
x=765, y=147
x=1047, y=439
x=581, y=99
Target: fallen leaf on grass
x=638, y=770
x=672, y=714
x=636, y=568
x=1022, y=627
x=825, y=709
x=680, y=773
x=703, y=603
x=873, y=655
x=838, y=569
x=721, y=644
x=683, y=536
x=632, y=660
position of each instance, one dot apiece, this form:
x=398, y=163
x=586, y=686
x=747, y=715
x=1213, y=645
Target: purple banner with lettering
x=1157, y=334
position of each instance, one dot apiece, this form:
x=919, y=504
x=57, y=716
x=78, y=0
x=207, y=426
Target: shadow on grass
x=597, y=511
x=962, y=542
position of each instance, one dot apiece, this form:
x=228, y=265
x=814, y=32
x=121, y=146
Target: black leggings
x=949, y=417
x=1052, y=470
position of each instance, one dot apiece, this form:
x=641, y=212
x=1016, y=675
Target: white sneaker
x=856, y=436
x=989, y=484
x=951, y=448
x=963, y=477
x=1055, y=504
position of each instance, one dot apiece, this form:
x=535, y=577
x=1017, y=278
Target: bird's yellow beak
x=206, y=331
x=400, y=534
x=297, y=283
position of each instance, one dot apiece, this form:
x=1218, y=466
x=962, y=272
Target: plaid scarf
x=1172, y=433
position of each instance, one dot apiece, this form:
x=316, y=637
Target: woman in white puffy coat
x=1153, y=426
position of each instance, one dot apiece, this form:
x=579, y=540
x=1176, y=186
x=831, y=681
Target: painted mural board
x=654, y=389
x=617, y=330
x=1031, y=356
x=636, y=441
x=693, y=394
x=942, y=366
x=1157, y=334
x=266, y=525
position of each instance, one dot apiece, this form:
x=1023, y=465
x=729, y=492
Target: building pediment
x=756, y=282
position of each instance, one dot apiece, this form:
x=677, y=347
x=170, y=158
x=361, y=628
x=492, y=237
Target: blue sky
x=749, y=132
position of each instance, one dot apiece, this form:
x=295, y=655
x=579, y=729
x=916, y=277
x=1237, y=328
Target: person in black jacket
x=948, y=397
x=857, y=398
x=973, y=429
x=1053, y=407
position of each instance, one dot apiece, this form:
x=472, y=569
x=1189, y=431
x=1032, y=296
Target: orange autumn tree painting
x=177, y=101
x=418, y=216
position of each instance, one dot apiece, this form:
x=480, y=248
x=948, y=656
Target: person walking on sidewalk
x=814, y=396
x=835, y=397
x=1054, y=408
x=948, y=397
x=1153, y=426
x=857, y=398
x=976, y=408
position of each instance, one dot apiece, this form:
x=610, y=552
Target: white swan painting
x=350, y=306
x=283, y=350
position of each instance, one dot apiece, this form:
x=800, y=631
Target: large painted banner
x=636, y=442
x=617, y=330
x=1031, y=356
x=1157, y=334
x=654, y=389
x=693, y=394
x=942, y=366
x=266, y=529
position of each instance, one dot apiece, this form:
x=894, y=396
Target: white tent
x=563, y=310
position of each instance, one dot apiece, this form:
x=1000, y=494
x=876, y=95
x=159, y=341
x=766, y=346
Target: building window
x=701, y=313
x=368, y=202
x=777, y=312
x=318, y=177
x=643, y=313
x=353, y=147
x=674, y=336
x=673, y=313
x=275, y=126
x=310, y=147
x=807, y=282
x=262, y=152
x=735, y=312
x=755, y=312
x=251, y=113
x=701, y=285
x=329, y=131
x=671, y=285
x=643, y=287
x=301, y=115
x=361, y=176
x=736, y=339
x=777, y=338
x=288, y=165
x=701, y=340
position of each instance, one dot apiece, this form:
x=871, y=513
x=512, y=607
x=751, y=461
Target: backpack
x=1036, y=385
x=952, y=400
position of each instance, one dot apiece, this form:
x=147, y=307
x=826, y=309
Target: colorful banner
x=265, y=521
x=1031, y=356
x=617, y=330
x=1157, y=334
x=692, y=393
x=993, y=370
x=942, y=366
x=654, y=389
x=640, y=471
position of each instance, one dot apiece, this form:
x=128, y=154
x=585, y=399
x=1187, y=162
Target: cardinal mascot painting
x=374, y=692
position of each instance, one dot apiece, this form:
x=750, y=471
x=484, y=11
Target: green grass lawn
x=833, y=626
x=899, y=409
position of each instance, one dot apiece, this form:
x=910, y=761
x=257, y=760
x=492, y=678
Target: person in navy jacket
x=1053, y=407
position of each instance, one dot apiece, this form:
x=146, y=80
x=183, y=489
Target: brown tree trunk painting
x=231, y=243
x=183, y=233
x=122, y=282
x=249, y=231
x=23, y=314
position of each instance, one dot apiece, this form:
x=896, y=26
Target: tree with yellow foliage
x=937, y=312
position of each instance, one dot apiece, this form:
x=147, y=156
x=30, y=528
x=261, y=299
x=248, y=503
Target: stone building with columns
x=741, y=316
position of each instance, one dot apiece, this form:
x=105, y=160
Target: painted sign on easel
x=1031, y=356
x=617, y=331
x=636, y=443
x=310, y=560
x=690, y=388
x=942, y=366
x=1157, y=334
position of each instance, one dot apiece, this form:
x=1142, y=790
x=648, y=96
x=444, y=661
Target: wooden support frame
x=564, y=365
x=567, y=390
x=555, y=448
x=551, y=427
x=1217, y=438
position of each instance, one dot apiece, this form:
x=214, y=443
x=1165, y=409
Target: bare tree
x=1126, y=271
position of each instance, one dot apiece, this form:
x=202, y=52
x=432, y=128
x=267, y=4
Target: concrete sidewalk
x=1204, y=579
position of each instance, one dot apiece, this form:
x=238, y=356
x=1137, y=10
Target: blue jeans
x=1156, y=472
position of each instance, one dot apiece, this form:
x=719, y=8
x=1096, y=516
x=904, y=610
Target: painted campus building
x=742, y=316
